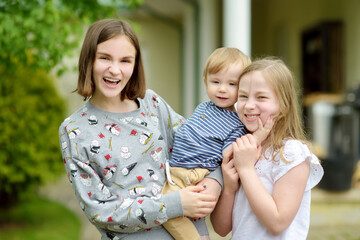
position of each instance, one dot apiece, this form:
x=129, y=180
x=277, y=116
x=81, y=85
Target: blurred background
x=39, y=48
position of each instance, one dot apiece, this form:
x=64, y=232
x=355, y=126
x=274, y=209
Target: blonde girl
x=268, y=188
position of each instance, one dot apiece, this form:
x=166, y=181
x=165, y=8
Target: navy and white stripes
x=203, y=137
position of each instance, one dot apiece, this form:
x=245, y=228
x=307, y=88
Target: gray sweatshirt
x=116, y=165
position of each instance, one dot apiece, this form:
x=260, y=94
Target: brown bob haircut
x=99, y=32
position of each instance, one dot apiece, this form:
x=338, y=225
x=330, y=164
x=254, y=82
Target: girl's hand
x=263, y=130
x=195, y=203
x=230, y=175
x=246, y=153
x=228, y=153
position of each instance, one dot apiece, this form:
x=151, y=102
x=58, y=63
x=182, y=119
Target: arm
x=221, y=217
x=275, y=211
x=211, y=187
x=213, y=183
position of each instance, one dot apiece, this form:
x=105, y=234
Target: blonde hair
x=288, y=124
x=221, y=59
x=97, y=33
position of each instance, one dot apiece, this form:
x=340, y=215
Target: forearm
x=221, y=217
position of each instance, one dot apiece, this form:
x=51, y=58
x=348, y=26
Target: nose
x=222, y=88
x=250, y=104
x=114, y=69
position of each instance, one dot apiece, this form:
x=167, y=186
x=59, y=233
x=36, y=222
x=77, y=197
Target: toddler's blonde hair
x=222, y=58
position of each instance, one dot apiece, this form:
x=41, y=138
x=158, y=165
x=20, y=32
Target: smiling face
x=113, y=67
x=222, y=87
x=256, y=99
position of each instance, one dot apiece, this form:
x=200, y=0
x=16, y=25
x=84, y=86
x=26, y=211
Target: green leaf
x=39, y=34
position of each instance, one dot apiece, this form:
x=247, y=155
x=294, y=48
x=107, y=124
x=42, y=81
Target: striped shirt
x=203, y=137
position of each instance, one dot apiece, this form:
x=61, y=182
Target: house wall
x=277, y=27
x=352, y=39
x=160, y=45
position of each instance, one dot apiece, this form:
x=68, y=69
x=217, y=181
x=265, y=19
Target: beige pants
x=182, y=227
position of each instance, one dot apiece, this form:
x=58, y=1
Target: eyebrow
x=262, y=92
x=256, y=93
x=107, y=54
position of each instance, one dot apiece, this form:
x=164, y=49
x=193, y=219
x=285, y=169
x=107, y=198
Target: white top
x=245, y=223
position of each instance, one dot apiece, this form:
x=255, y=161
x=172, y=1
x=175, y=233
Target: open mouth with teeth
x=251, y=116
x=111, y=81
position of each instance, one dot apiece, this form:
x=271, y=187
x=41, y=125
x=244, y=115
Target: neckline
x=222, y=109
x=138, y=102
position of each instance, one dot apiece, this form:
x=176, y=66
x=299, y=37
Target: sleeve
x=103, y=208
x=236, y=133
x=217, y=175
x=296, y=152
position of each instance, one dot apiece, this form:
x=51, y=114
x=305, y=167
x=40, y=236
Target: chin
x=251, y=129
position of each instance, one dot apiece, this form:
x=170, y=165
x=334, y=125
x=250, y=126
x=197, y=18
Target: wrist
x=174, y=201
x=244, y=171
x=228, y=192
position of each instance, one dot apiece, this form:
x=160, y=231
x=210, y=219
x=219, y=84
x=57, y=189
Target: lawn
x=39, y=219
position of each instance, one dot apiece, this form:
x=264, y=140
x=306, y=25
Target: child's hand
x=263, y=131
x=230, y=175
x=246, y=153
x=195, y=203
x=228, y=152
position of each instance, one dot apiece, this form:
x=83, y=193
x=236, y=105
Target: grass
x=39, y=219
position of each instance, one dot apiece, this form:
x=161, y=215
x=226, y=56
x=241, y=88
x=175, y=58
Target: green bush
x=39, y=219
x=30, y=113
x=39, y=34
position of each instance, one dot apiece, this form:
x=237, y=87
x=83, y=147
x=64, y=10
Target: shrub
x=30, y=113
